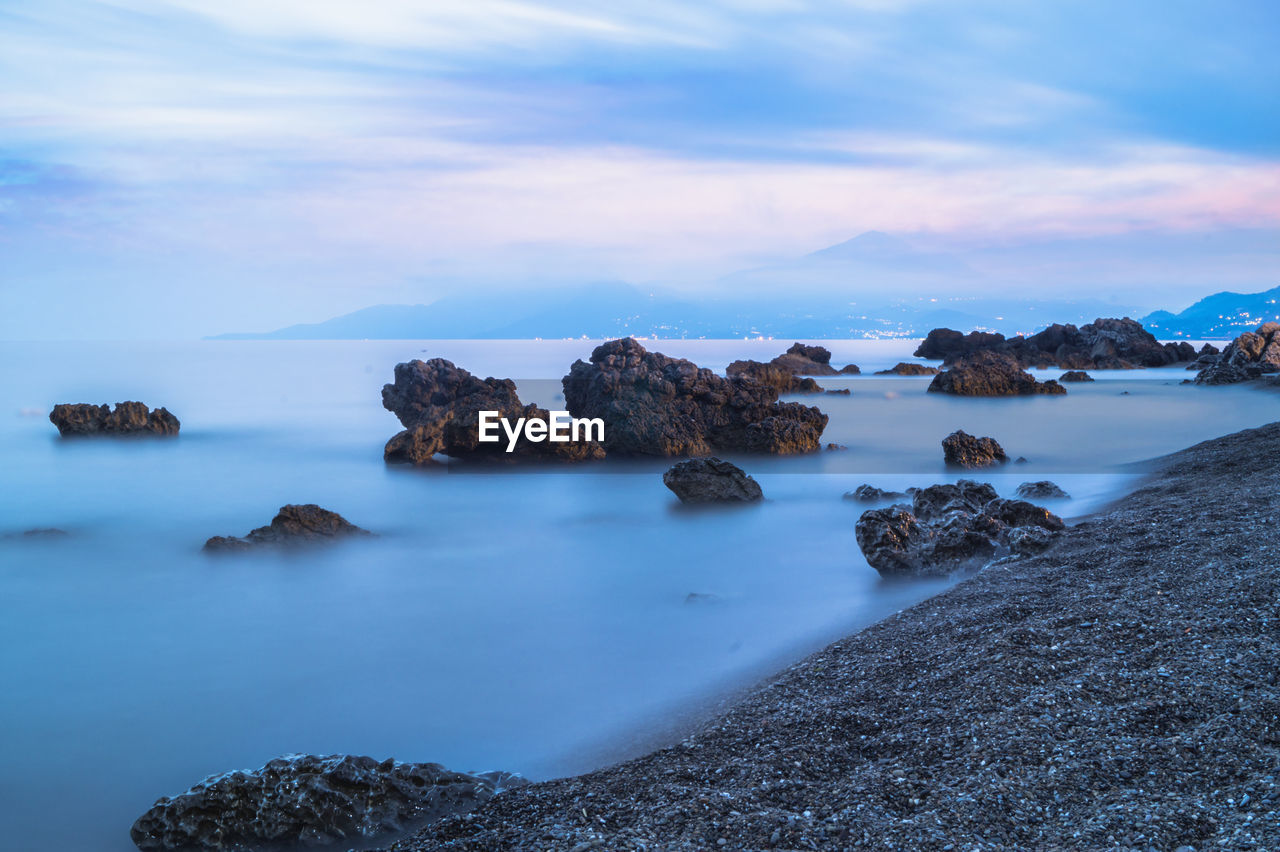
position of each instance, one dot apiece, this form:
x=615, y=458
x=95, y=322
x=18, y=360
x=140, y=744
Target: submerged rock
x=660, y=406
x=711, y=480
x=1103, y=344
x=1075, y=376
x=293, y=525
x=311, y=801
x=1041, y=490
x=439, y=405
x=951, y=527
x=37, y=533
x=1250, y=356
x=127, y=418
x=961, y=449
x=903, y=368
x=991, y=374
x=871, y=494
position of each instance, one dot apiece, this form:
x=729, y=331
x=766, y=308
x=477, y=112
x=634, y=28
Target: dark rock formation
x=1041, y=490
x=1250, y=356
x=1075, y=376
x=1209, y=349
x=776, y=377
x=961, y=449
x=711, y=481
x=660, y=406
x=951, y=527
x=293, y=525
x=37, y=533
x=1103, y=344
x=871, y=494
x=308, y=801
x=799, y=360
x=439, y=405
x=902, y=368
x=991, y=374
x=127, y=418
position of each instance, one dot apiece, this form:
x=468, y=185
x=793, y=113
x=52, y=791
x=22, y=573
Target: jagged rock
x=293, y=525
x=308, y=801
x=961, y=449
x=839, y=392
x=127, y=418
x=902, y=368
x=1250, y=356
x=799, y=360
x=1041, y=490
x=1101, y=345
x=711, y=480
x=776, y=377
x=1209, y=349
x=1075, y=376
x=951, y=527
x=660, y=406
x=990, y=374
x=871, y=494
x=439, y=405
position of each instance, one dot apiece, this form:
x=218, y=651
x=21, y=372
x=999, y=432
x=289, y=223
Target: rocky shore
x=1120, y=690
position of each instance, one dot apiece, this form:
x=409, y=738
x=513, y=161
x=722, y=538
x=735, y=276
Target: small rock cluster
x=127, y=418
x=987, y=373
x=1104, y=344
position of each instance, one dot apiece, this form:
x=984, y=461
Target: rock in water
x=711, y=481
x=778, y=378
x=127, y=418
x=1249, y=356
x=799, y=360
x=1104, y=344
x=951, y=527
x=991, y=374
x=1041, y=490
x=902, y=368
x=292, y=525
x=1075, y=376
x=871, y=494
x=439, y=405
x=659, y=406
x=310, y=801
x=961, y=449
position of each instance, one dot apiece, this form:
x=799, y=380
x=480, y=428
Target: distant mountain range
x=792, y=299
x=1223, y=315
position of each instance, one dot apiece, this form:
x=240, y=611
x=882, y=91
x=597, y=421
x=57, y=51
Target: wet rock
x=439, y=404
x=839, y=392
x=1250, y=356
x=952, y=527
x=902, y=368
x=308, y=801
x=655, y=405
x=776, y=377
x=1104, y=344
x=991, y=374
x=961, y=449
x=711, y=480
x=127, y=418
x=1041, y=490
x=293, y=525
x=871, y=494
x=1075, y=376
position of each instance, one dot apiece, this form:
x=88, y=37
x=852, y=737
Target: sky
x=176, y=168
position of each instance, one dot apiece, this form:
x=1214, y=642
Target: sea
x=545, y=621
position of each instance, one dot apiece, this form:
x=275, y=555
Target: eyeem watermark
x=559, y=427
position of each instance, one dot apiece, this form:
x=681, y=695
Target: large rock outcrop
x=127, y=418
x=659, y=406
x=991, y=374
x=1250, y=356
x=439, y=405
x=1104, y=344
x=960, y=449
x=952, y=527
x=307, y=801
x=711, y=480
x=293, y=526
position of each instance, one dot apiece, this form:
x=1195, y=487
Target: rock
x=711, y=480
x=1250, y=356
x=127, y=418
x=293, y=525
x=1075, y=376
x=990, y=374
x=902, y=368
x=1041, y=490
x=439, y=405
x=964, y=450
x=839, y=392
x=776, y=377
x=37, y=533
x=1101, y=345
x=871, y=494
x=951, y=527
x=655, y=405
x=833, y=447
x=1209, y=349
x=310, y=801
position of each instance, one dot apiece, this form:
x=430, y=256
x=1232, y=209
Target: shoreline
x=1118, y=691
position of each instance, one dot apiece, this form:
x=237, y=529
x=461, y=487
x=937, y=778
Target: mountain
x=1222, y=315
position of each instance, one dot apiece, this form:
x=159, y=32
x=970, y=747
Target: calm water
x=531, y=622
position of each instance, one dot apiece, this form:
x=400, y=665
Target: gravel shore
x=1120, y=691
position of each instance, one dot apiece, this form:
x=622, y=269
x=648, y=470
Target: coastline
x=1118, y=691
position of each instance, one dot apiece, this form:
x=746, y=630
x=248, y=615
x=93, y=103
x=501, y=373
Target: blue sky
x=177, y=168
